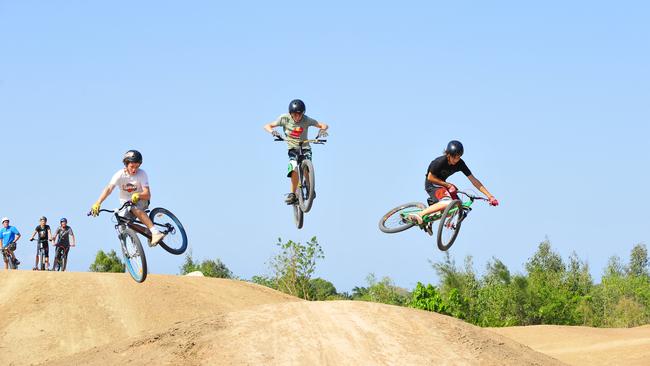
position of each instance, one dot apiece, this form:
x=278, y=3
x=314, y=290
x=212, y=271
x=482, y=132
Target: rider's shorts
x=437, y=194
x=46, y=248
x=293, y=159
x=142, y=204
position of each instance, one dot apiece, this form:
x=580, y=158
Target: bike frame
x=466, y=206
x=134, y=223
x=301, y=155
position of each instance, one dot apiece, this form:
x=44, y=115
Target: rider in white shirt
x=134, y=186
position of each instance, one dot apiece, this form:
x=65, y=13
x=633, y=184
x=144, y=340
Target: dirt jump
x=108, y=319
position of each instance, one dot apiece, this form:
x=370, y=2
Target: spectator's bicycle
x=40, y=254
x=306, y=182
x=9, y=256
x=60, y=261
x=396, y=220
x=175, y=240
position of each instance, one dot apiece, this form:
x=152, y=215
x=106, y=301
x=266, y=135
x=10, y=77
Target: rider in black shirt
x=43, y=234
x=440, y=192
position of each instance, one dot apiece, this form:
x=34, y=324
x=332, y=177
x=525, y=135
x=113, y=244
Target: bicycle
x=40, y=253
x=60, y=261
x=306, y=181
x=127, y=227
x=396, y=220
x=9, y=256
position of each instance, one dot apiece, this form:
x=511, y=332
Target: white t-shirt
x=129, y=184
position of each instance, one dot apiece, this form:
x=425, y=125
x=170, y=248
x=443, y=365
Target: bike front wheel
x=134, y=258
x=306, y=190
x=175, y=240
x=395, y=220
x=449, y=225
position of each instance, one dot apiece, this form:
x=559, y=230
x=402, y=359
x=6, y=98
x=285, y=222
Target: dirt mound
x=100, y=319
x=584, y=345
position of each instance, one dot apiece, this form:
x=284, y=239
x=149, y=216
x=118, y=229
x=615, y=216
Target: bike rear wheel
x=395, y=221
x=449, y=225
x=134, y=258
x=175, y=240
x=305, y=191
x=10, y=260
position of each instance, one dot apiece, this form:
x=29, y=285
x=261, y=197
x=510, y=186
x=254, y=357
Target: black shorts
x=65, y=248
x=46, y=248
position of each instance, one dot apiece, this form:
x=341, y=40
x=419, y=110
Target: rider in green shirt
x=295, y=125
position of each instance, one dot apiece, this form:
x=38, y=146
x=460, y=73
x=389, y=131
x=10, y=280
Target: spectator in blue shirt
x=9, y=235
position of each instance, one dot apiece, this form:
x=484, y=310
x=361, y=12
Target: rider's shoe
x=415, y=218
x=34, y=269
x=155, y=238
x=16, y=261
x=291, y=199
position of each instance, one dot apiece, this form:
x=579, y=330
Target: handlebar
x=126, y=204
x=473, y=197
x=312, y=141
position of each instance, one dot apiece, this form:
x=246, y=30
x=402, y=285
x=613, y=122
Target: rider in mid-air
x=295, y=124
x=44, y=234
x=134, y=186
x=440, y=192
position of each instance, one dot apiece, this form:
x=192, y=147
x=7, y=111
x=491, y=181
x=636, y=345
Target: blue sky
x=549, y=99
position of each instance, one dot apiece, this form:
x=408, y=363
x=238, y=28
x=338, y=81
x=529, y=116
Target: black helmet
x=454, y=147
x=297, y=106
x=63, y=219
x=132, y=156
x=43, y=218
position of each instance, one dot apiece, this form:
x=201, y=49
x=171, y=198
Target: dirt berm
x=108, y=319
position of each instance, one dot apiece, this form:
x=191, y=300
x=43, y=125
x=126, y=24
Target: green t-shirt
x=295, y=132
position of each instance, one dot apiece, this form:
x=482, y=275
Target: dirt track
x=104, y=319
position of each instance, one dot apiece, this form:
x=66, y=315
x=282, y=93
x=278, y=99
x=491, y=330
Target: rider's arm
x=477, y=183
x=145, y=194
x=105, y=193
x=437, y=181
x=270, y=126
x=33, y=235
x=73, y=241
x=322, y=126
x=17, y=237
x=49, y=234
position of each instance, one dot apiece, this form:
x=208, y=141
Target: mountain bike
x=451, y=218
x=9, y=256
x=40, y=253
x=305, y=192
x=127, y=227
x=60, y=260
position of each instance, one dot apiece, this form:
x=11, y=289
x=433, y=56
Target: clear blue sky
x=550, y=99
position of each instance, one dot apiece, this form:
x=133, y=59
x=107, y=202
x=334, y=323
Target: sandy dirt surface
x=586, y=346
x=108, y=319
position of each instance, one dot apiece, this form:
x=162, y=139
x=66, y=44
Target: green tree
x=383, y=291
x=638, y=266
x=107, y=262
x=293, y=267
x=320, y=289
x=209, y=268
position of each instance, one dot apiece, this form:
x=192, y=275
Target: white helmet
x=5, y=219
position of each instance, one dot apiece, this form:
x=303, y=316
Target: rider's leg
x=156, y=235
x=294, y=181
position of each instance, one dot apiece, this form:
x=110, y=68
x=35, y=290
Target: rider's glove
x=275, y=134
x=135, y=197
x=321, y=133
x=95, y=209
x=493, y=201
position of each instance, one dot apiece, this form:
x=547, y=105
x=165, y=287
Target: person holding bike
x=134, y=186
x=441, y=193
x=64, y=239
x=295, y=125
x=9, y=236
x=42, y=231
